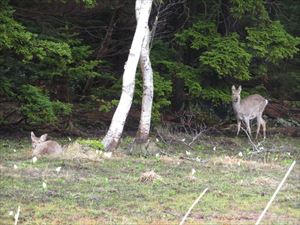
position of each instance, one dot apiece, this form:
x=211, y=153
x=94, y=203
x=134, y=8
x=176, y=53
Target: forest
x=62, y=59
x=65, y=72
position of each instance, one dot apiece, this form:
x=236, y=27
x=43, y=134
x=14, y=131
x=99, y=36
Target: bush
x=37, y=108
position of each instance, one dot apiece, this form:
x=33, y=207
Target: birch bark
x=111, y=140
x=147, y=73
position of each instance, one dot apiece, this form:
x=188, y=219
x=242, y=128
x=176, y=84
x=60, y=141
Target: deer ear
x=33, y=137
x=43, y=137
x=233, y=88
x=240, y=88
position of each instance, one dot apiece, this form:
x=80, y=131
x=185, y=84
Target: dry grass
x=149, y=177
x=233, y=161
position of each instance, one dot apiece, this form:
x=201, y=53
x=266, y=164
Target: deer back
x=47, y=147
x=252, y=106
x=41, y=147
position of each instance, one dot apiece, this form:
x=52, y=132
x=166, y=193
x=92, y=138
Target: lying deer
x=42, y=147
x=247, y=109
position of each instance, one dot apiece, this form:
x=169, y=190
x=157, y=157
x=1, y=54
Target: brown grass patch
x=78, y=151
x=265, y=181
x=149, y=177
x=170, y=160
x=233, y=161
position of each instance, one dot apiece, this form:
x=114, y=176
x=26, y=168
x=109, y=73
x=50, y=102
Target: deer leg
x=259, y=123
x=239, y=127
x=248, y=127
x=263, y=123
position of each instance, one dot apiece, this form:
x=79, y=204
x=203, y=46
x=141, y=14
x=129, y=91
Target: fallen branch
x=275, y=193
x=249, y=137
x=17, y=216
x=190, y=209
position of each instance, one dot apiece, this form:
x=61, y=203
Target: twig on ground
x=17, y=216
x=193, y=159
x=275, y=193
x=165, y=153
x=188, y=145
x=196, y=137
x=190, y=209
x=161, y=137
x=252, y=143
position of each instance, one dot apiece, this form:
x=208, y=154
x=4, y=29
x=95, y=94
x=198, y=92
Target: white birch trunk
x=147, y=73
x=114, y=133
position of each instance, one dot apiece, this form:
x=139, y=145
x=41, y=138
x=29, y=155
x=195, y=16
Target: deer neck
x=236, y=106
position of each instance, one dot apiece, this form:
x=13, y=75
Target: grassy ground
x=109, y=191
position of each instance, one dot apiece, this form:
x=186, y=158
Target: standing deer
x=41, y=147
x=247, y=109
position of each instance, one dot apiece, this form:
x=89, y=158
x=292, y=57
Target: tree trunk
x=104, y=47
x=147, y=73
x=114, y=133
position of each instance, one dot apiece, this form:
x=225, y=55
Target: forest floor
x=77, y=190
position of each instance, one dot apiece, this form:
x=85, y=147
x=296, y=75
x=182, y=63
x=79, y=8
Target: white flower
x=156, y=140
x=11, y=213
x=15, y=150
x=99, y=152
x=157, y=155
x=17, y=215
x=240, y=154
x=69, y=139
x=15, y=167
x=187, y=153
x=44, y=185
x=107, y=155
x=183, y=140
x=58, y=169
x=214, y=148
x=193, y=172
x=34, y=159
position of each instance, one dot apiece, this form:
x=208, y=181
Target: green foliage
x=228, y=57
x=272, y=42
x=220, y=43
x=107, y=106
x=13, y=36
x=163, y=90
x=255, y=8
x=223, y=57
x=49, y=60
x=6, y=87
x=187, y=73
x=37, y=108
x=61, y=108
x=92, y=143
x=216, y=96
x=44, y=48
x=88, y=3
x=201, y=35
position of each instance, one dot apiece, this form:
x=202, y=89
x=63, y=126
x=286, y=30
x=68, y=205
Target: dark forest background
x=61, y=62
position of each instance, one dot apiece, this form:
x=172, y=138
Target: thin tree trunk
x=114, y=133
x=147, y=73
x=104, y=44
